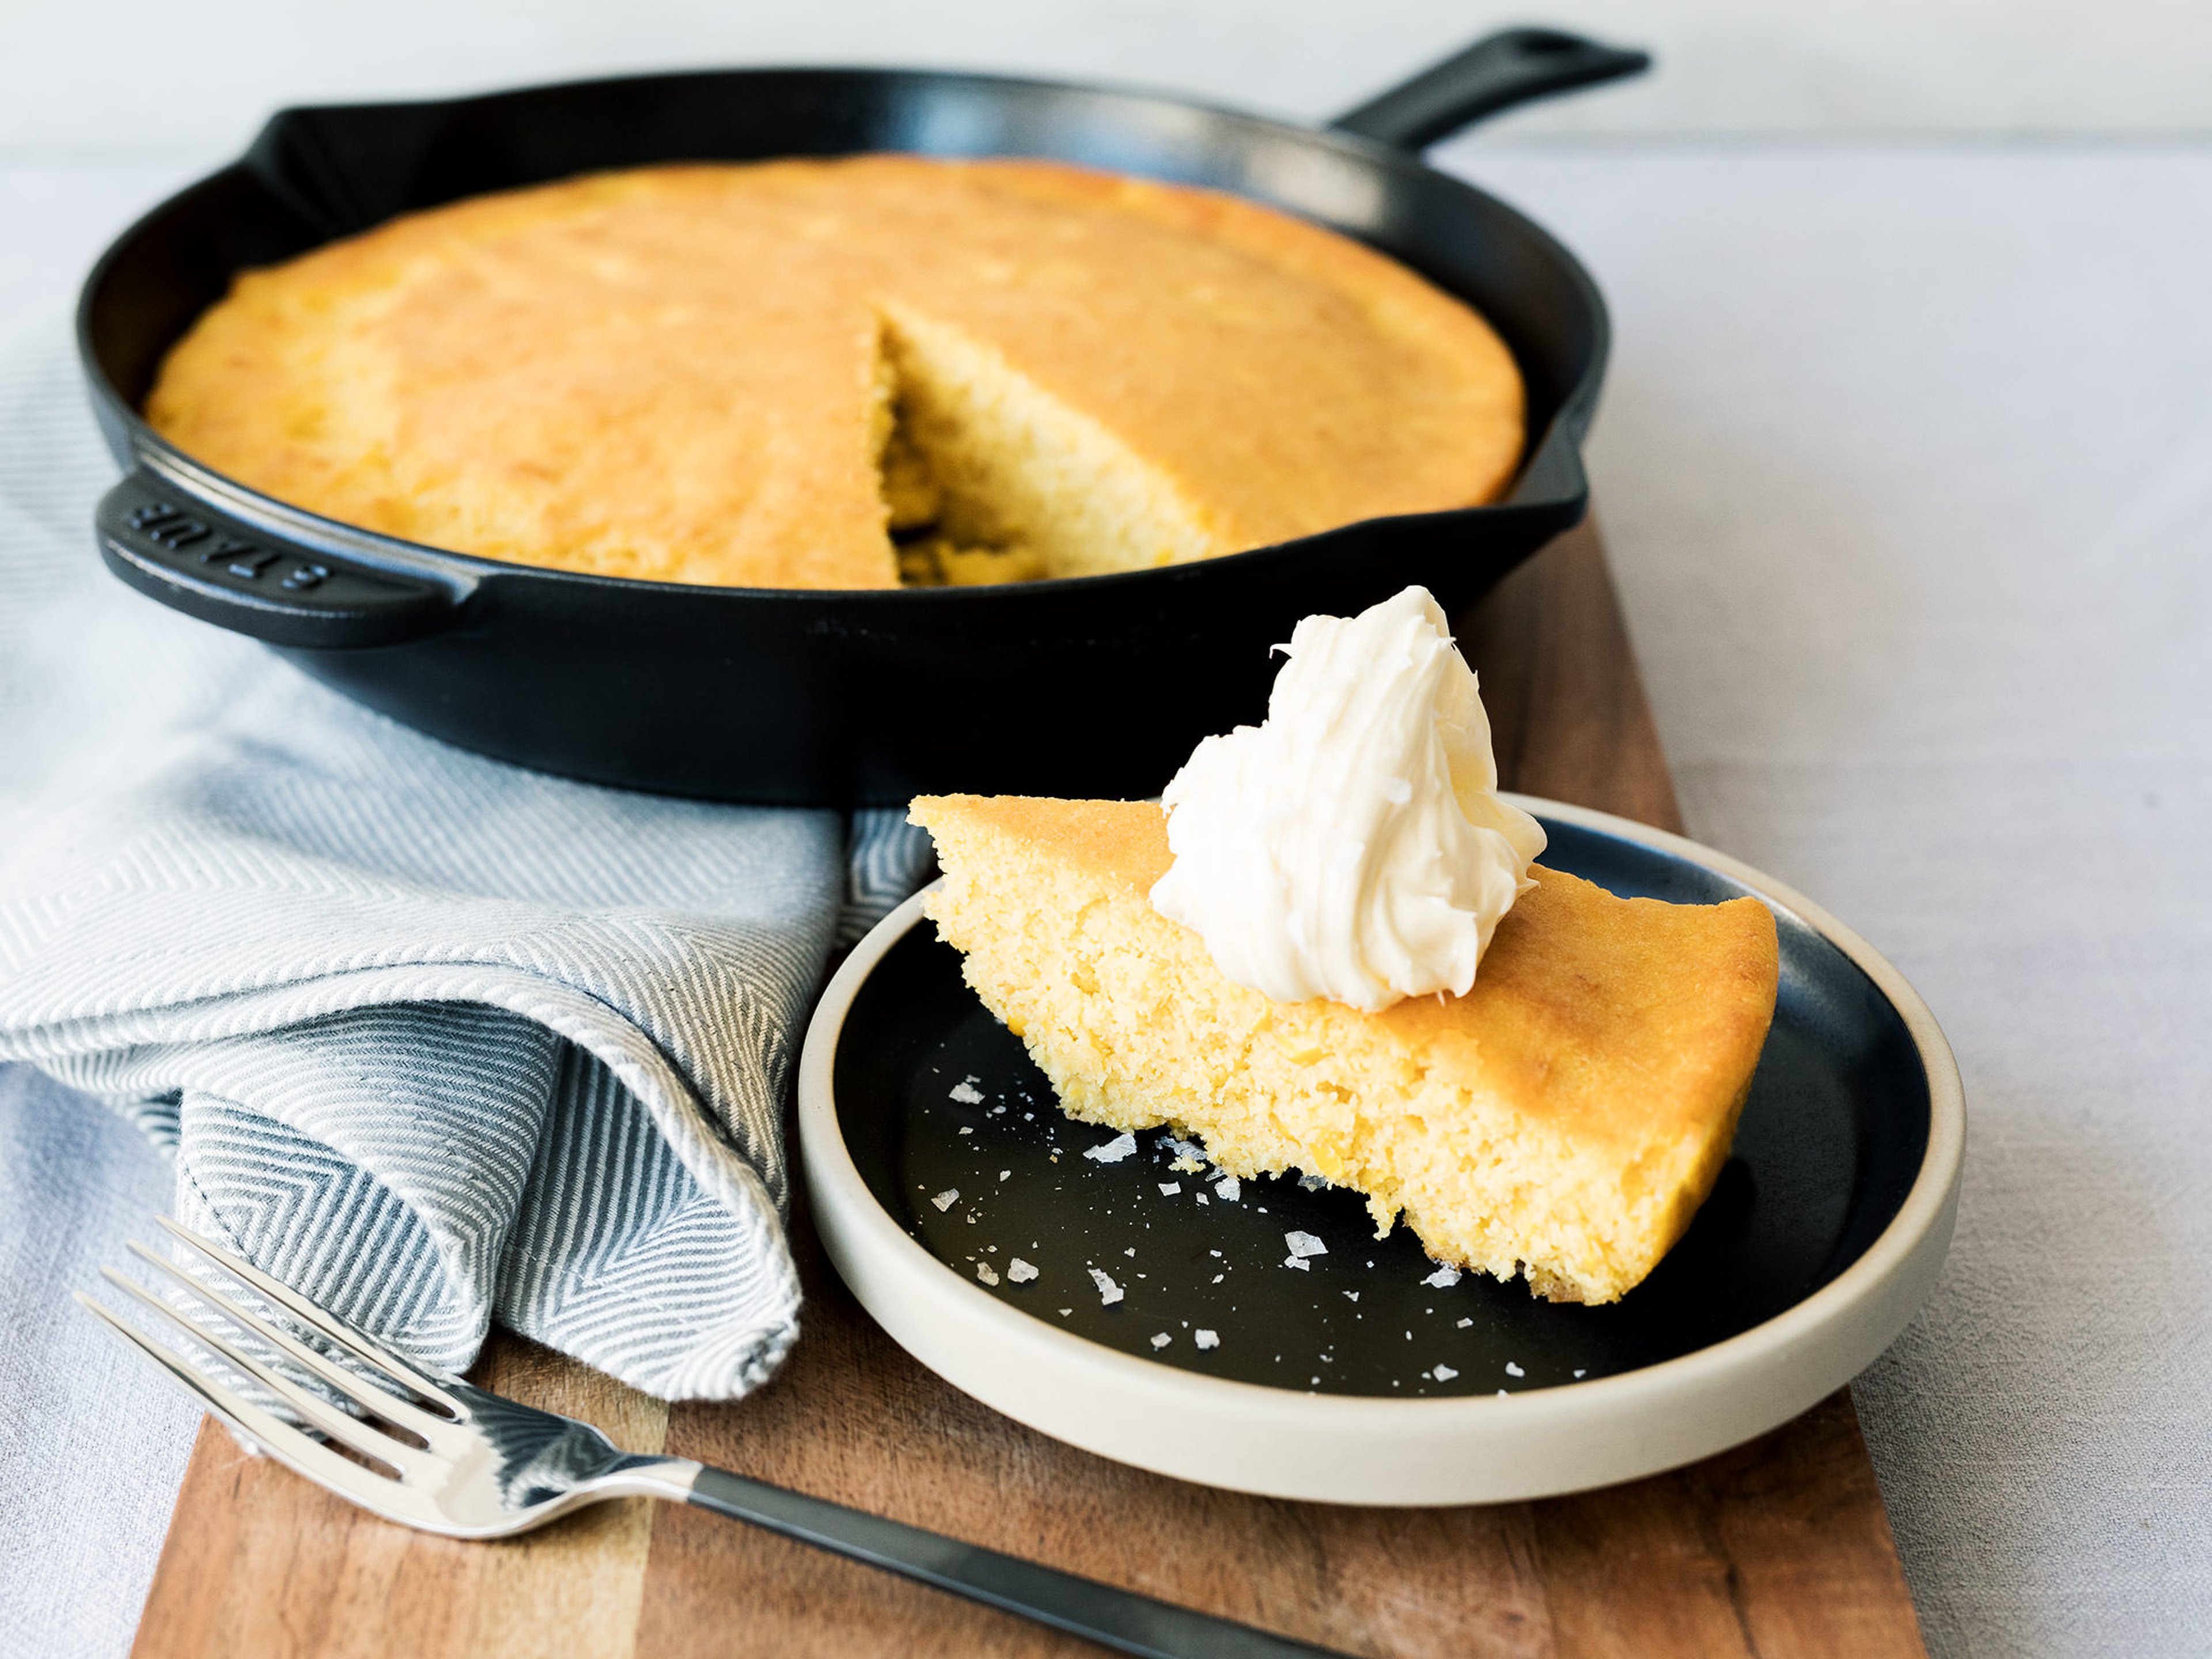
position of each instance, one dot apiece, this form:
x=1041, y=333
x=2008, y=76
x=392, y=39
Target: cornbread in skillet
x=807, y=374
x=1565, y=1118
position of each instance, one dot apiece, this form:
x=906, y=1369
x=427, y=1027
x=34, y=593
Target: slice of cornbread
x=1564, y=1118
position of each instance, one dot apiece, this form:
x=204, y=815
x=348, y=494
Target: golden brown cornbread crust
x=674, y=373
x=1565, y=1118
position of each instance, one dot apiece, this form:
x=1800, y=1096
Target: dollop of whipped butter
x=1351, y=845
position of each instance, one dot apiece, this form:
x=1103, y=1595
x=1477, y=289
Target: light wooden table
x=1778, y=1549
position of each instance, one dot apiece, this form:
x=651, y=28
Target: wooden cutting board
x=1778, y=1549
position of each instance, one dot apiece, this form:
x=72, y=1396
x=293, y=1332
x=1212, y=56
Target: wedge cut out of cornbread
x=1563, y=1119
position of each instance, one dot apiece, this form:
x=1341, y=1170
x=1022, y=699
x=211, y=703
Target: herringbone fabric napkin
x=435, y=1039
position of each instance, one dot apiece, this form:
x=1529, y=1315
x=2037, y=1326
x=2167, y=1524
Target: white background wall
x=99, y=75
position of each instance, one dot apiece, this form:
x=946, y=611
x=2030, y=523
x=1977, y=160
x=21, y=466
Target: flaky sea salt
x=1464, y=1323
x=1019, y=1272
x=984, y=1273
x=946, y=1199
x=1444, y=1278
x=1443, y=1373
x=1206, y=1338
x=1512, y=1369
x=1003, y=1174
x=1305, y=1244
x=1227, y=1189
x=1114, y=1150
x=1161, y=1340
x=1170, y=1189
x=967, y=1093
x=1312, y=1183
x=1109, y=1292
x=1297, y=1261
x=1352, y=1295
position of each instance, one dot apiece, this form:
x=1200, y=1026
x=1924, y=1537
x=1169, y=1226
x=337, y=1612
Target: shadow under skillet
x=960, y=1140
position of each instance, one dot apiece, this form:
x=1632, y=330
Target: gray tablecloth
x=1906, y=465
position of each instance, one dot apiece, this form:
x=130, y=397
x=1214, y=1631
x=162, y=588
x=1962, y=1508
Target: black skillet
x=1093, y=686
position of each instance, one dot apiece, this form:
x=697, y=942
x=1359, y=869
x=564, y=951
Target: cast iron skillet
x=1092, y=686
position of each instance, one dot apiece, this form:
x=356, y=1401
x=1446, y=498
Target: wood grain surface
x=1778, y=1549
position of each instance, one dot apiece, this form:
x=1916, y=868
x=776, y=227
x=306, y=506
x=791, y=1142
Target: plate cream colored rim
x=1340, y=1449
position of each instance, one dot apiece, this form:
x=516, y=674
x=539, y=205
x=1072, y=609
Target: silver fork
x=457, y=1460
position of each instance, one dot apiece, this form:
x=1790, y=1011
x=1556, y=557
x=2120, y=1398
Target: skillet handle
x=168, y=545
x=1510, y=67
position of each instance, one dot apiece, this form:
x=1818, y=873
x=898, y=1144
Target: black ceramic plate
x=957, y=1139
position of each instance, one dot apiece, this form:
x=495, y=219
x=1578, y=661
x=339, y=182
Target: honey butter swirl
x=1352, y=845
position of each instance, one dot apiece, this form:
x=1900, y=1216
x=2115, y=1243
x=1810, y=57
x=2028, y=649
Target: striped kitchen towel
x=435, y=1039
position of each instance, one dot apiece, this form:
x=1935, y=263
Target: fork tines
x=425, y=1426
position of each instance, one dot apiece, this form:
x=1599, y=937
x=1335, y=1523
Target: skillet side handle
x=1514, y=66
x=170, y=547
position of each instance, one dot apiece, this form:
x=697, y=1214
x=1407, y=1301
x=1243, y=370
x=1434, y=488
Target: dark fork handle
x=1117, y=1618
